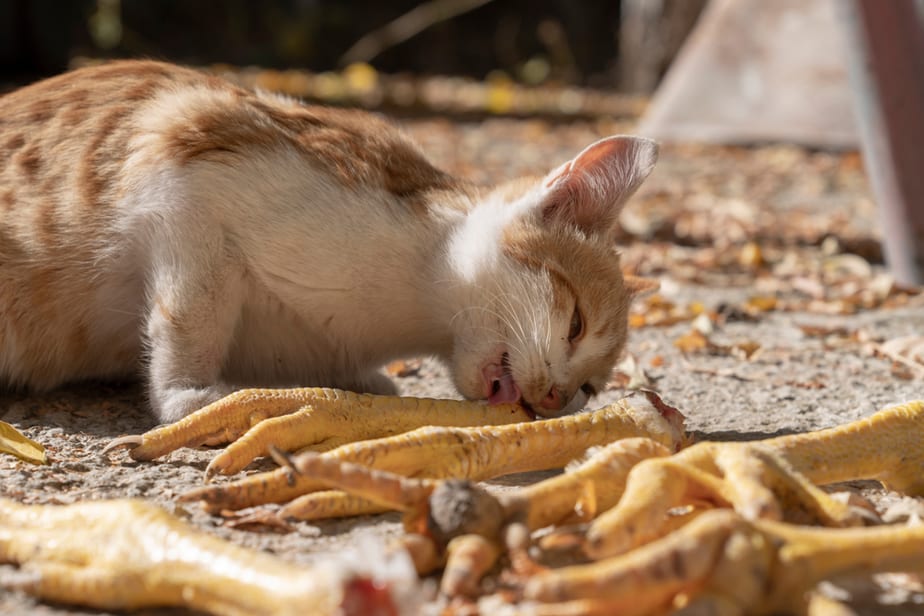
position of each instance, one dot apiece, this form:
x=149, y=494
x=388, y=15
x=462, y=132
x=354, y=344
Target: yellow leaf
x=637, y=320
x=750, y=256
x=361, y=77
x=697, y=308
x=13, y=442
x=499, y=95
x=760, y=303
x=692, y=341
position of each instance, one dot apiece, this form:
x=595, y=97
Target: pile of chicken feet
x=645, y=522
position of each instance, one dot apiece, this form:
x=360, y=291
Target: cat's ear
x=589, y=190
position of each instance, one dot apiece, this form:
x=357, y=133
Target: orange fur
x=159, y=222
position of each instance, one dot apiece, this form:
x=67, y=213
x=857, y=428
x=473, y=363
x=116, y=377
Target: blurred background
x=789, y=171
x=531, y=41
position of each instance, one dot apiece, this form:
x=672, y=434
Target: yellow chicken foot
x=764, y=479
x=468, y=558
x=221, y=422
x=585, y=488
x=458, y=513
x=477, y=453
x=381, y=487
x=441, y=509
x=887, y=446
x=126, y=554
x=452, y=521
x=721, y=563
x=744, y=476
x=314, y=417
x=357, y=418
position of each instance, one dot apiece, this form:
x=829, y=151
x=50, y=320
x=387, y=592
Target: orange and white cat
x=158, y=222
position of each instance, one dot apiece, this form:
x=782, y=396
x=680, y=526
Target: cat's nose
x=553, y=400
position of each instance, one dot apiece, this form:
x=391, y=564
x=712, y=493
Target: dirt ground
x=769, y=253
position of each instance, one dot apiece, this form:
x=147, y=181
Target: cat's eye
x=577, y=326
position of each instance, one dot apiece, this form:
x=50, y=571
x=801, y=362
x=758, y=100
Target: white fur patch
x=475, y=245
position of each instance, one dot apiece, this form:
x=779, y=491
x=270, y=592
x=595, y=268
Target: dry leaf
x=697, y=308
x=703, y=324
x=760, y=303
x=697, y=341
x=750, y=256
x=692, y=342
x=655, y=310
x=637, y=320
x=848, y=264
x=744, y=350
x=823, y=331
x=14, y=442
x=629, y=374
x=908, y=352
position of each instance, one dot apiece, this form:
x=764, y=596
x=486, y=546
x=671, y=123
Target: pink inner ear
x=589, y=190
x=604, y=152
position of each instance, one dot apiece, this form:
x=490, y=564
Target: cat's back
x=64, y=142
x=82, y=154
x=75, y=135
x=66, y=285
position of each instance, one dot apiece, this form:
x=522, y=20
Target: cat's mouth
x=499, y=384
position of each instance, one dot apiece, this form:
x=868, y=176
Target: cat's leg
x=195, y=296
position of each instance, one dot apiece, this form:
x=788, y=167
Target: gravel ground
x=816, y=362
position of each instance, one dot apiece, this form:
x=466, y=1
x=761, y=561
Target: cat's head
x=545, y=314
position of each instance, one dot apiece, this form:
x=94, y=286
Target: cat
x=161, y=223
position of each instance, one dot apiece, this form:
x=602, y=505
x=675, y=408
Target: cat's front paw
x=174, y=403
